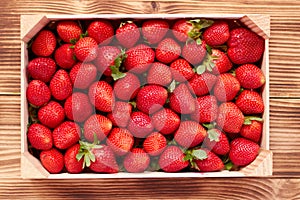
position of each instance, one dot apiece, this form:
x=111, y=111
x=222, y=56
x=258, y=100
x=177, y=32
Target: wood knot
x=155, y=6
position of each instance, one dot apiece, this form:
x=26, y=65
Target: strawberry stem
x=248, y=119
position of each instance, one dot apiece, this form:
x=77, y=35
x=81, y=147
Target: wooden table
x=284, y=110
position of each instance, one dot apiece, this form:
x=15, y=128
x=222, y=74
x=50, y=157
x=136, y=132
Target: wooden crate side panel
x=260, y=24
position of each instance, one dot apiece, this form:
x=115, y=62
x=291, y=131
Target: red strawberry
x=221, y=62
x=167, y=51
x=159, y=74
x=140, y=124
x=226, y=87
x=102, y=31
x=128, y=34
x=154, y=30
x=243, y=151
x=40, y=137
x=151, y=98
x=194, y=52
x=136, y=161
x=64, y=56
x=217, y=142
x=61, y=85
x=66, y=135
x=101, y=96
x=172, y=159
x=51, y=115
x=97, y=124
x=73, y=165
x=41, y=69
x=217, y=33
x=44, y=44
x=52, y=160
x=83, y=75
x=245, y=46
x=250, y=102
x=38, y=93
x=68, y=31
x=120, y=115
x=166, y=121
x=120, y=141
x=85, y=49
x=230, y=118
x=201, y=84
x=250, y=76
x=155, y=143
x=190, y=134
x=127, y=88
x=181, y=70
x=252, y=130
x=207, y=109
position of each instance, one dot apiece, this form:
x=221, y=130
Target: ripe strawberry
x=194, y=52
x=127, y=88
x=41, y=69
x=139, y=58
x=245, y=46
x=217, y=33
x=140, y=124
x=120, y=141
x=154, y=30
x=85, y=49
x=40, y=137
x=73, y=165
x=66, y=135
x=206, y=110
x=201, y=84
x=120, y=114
x=97, y=124
x=252, y=131
x=230, y=118
x=38, y=93
x=44, y=44
x=136, y=161
x=102, y=31
x=181, y=70
x=159, y=74
x=101, y=96
x=221, y=62
x=151, y=98
x=51, y=115
x=243, y=151
x=167, y=51
x=155, y=143
x=68, y=31
x=52, y=160
x=128, y=34
x=250, y=76
x=82, y=75
x=64, y=56
x=217, y=142
x=250, y=102
x=166, y=121
x=226, y=87
x=61, y=85
x=172, y=159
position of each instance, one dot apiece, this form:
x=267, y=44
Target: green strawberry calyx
x=212, y=133
x=195, y=154
x=248, y=119
x=198, y=25
x=208, y=63
x=115, y=68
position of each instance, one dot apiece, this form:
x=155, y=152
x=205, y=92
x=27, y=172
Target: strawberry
x=217, y=33
x=52, y=160
x=201, y=84
x=41, y=68
x=61, y=85
x=218, y=62
x=207, y=109
x=51, y=115
x=140, y=124
x=38, y=93
x=64, y=56
x=226, y=87
x=245, y=46
x=44, y=44
x=82, y=75
x=68, y=31
x=243, y=151
x=181, y=70
x=151, y=98
x=230, y=118
x=73, y=165
x=136, y=161
x=166, y=121
x=194, y=52
x=102, y=31
x=66, y=135
x=190, y=134
x=250, y=76
x=40, y=137
x=97, y=124
x=101, y=96
x=159, y=74
x=120, y=114
x=172, y=160
x=127, y=88
x=128, y=34
x=139, y=58
x=217, y=142
x=250, y=102
x=252, y=130
x=120, y=141
x=85, y=49
x=155, y=143
x=154, y=30
x=167, y=51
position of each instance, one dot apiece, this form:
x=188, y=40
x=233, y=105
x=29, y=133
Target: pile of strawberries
x=145, y=95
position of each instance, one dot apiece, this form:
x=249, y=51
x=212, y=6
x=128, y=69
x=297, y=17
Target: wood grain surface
x=284, y=107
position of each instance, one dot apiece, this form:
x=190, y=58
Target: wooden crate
x=31, y=166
